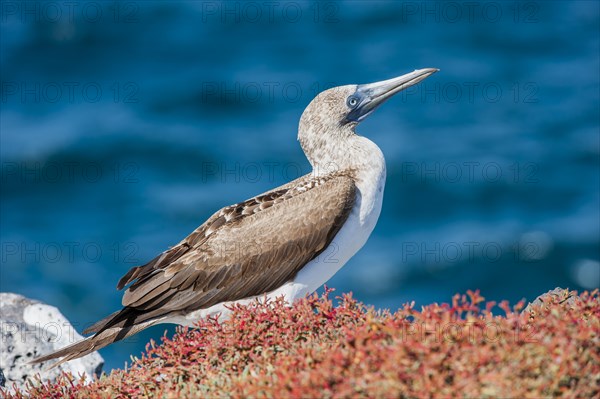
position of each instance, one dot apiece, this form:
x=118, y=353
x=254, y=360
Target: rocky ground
x=28, y=329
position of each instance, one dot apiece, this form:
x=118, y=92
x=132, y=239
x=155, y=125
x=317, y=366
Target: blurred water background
x=124, y=125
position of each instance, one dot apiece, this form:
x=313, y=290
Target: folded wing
x=242, y=251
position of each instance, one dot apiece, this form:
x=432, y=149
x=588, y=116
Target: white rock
x=29, y=329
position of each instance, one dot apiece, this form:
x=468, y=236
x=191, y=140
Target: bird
x=268, y=246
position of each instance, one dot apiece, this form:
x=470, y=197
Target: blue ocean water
x=124, y=125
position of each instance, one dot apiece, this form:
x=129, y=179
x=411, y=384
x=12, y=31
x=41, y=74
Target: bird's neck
x=341, y=149
x=346, y=152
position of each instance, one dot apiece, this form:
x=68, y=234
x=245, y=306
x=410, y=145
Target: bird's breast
x=370, y=184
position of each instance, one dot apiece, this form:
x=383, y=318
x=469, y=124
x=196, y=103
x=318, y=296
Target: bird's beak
x=371, y=95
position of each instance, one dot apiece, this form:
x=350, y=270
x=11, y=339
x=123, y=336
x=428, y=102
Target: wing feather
x=241, y=251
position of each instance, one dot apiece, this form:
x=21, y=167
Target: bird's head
x=335, y=113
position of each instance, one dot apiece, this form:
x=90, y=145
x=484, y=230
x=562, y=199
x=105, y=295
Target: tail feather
x=93, y=343
x=97, y=326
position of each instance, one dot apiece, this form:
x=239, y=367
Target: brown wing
x=241, y=251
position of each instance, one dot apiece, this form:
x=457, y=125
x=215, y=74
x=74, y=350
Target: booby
x=269, y=244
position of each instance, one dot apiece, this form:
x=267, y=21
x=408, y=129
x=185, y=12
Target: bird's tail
x=93, y=343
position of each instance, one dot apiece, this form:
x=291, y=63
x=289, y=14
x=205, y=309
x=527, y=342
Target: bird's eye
x=352, y=101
